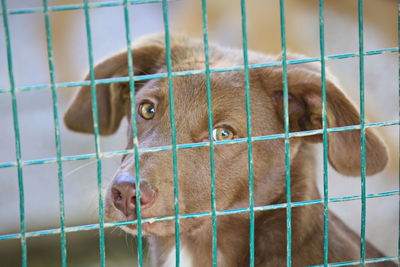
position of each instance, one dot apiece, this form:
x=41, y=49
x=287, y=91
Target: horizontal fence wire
x=20, y=11
x=198, y=215
x=196, y=72
x=110, y=154
x=350, y=263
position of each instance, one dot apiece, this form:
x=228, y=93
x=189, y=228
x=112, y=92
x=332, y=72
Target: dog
x=231, y=160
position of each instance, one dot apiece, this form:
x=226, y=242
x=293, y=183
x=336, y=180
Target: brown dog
x=231, y=167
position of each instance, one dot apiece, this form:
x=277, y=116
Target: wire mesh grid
x=131, y=79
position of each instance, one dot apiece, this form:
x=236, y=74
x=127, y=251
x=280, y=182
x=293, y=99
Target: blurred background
x=35, y=114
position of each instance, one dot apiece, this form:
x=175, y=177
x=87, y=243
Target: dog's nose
x=123, y=193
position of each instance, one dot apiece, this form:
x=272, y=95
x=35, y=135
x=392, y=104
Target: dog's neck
x=233, y=232
x=233, y=241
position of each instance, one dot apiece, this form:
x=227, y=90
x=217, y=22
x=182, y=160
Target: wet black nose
x=123, y=193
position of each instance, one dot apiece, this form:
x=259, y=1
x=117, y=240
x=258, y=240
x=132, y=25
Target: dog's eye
x=221, y=134
x=147, y=111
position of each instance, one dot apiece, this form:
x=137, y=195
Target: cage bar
x=196, y=72
x=173, y=128
x=324, y=132
x=96, y=134
x=287, y=140
x=362, y=132
x=398, y=44
x=78, y=6
x=197, y=215
x=351, y=263
x=210, y=133
x=134, y=132
x=249, y=131
x=110, y=154
x=24, y=250
x=57, y=133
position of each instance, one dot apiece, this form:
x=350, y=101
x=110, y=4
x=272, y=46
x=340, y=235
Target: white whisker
x=79, y=168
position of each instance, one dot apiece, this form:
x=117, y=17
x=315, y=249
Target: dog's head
x=229, y=122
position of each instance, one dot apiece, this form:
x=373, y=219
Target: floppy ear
x=305, y=113
x=112, y=99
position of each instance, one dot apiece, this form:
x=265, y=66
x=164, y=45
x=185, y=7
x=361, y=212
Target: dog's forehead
x=192, y=90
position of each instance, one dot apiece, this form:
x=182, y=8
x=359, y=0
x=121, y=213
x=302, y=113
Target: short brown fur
x=231, y=167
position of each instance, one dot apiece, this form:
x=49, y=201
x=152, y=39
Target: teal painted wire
x=200, y=144
x=198, y=215
x=362, y=124
x=287, y=141
x=210, y=134
x=249, y=130
x=96, y=134
x=79, y=6
x=196, y=72
x=173, y=129
x=134, y=133
x=350, y=263
x=325, y=132
x=17, y=137
x=57, y=134
x=398, y=44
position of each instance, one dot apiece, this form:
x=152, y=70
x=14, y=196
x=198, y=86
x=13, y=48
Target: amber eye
x=222, y=134
x=147, y=111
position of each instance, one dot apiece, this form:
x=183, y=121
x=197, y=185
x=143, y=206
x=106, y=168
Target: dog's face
x=194, y=172
x=229, y=122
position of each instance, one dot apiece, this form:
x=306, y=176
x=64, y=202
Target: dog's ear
x=305, y=113
x=112, y=99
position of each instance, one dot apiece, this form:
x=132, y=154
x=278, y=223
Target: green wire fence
x=131, y=79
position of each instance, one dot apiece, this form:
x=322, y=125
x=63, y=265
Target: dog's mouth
x=133, y=229
x=148, y=223
x=150, y=227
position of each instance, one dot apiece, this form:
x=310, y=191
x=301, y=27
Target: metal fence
x=98, y=155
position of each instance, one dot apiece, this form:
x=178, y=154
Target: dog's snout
x=123, y=193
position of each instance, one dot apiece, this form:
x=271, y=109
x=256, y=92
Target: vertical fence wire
x=17, y=136
x=362, y=132
x=249, y=141
x=96, y=133
x=398, y=45
x=287, y=141
x=134, y=132
x=210, y=133
x=173, y=128
x=325, y=130
x=56, y=120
